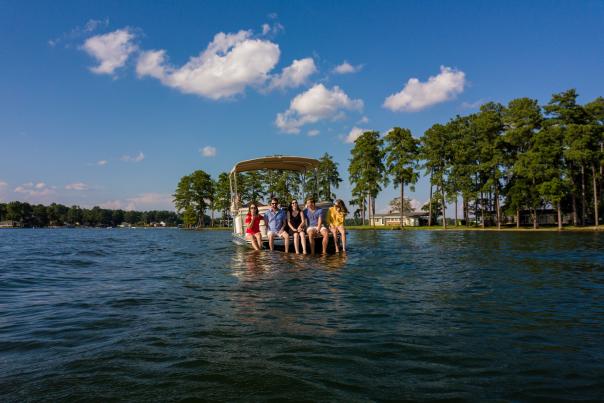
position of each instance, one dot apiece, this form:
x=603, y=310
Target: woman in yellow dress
x=335, y=219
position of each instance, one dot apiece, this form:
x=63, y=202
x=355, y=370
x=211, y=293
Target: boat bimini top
x=282, y=162
x=275, y=162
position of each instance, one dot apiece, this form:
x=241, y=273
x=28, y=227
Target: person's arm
x=289, y=221
x=284, y=221
x=248, y=221
x=302, y=221
x=320, y=220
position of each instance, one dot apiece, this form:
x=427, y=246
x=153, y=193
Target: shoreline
x=463, y=228
x=366, y=228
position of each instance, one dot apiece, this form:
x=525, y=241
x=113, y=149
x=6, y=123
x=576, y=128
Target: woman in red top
x=252, y=232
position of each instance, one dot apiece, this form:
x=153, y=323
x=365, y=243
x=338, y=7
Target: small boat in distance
x=239, y=209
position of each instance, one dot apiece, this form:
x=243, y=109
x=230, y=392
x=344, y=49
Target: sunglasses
x=294, y=202
x=273, y=204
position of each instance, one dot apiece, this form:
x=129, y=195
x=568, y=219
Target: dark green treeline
x=499, y=162
x=39, y=215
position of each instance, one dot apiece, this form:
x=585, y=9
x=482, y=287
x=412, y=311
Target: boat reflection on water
x=273, y=294
x=247, y=262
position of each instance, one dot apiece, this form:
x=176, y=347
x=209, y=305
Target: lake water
x=168, y=314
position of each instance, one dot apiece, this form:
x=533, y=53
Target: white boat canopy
x=283, y=162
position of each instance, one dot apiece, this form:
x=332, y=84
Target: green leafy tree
x=360, y=202
x=74, y=215
x=434, y=208
x=366, y=168
x=571, y=122
x=57, y=214
x=222, y=200
x=549, y=149
x=40, y=216
x=117, y=217
x=435, y=152
x=19, y=212
x=522, y=120
x=327, y=177
x=189, y=217
x=402, y=153
x=202, y=189
x=595, y=112
x=490, y=151
x=197, y=192
x=183, y=196
x=251, y=186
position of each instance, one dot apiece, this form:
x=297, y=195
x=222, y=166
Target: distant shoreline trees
x=58, y=215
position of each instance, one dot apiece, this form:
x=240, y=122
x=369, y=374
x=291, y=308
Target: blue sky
x=110, y=103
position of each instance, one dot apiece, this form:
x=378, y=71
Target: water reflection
x=247, y=263
x=286, y=292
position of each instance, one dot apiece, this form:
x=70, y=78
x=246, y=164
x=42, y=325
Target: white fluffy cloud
x=313, y=133
x=144, y=201
x=152, y=63
x=101, y=163
x=347, y=68
x=129, y=158
x=316, y=104
x=294, y=75
x=3, y=184
x=416, y=95
x=110, y=50
x=230, y=63
x=208, y=151
x=77, y=186
x=38, y=189
x=354, y=134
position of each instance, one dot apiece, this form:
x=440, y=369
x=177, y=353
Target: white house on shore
x=412, y=219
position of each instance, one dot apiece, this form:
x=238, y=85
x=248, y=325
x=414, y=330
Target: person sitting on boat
x=276, y=219
x=335, y=220
x=297, y=225
x=314, y=219
x=252, y=231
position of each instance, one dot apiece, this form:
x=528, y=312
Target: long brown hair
x=342, y=206
x=290, y=209
x=249, y=209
